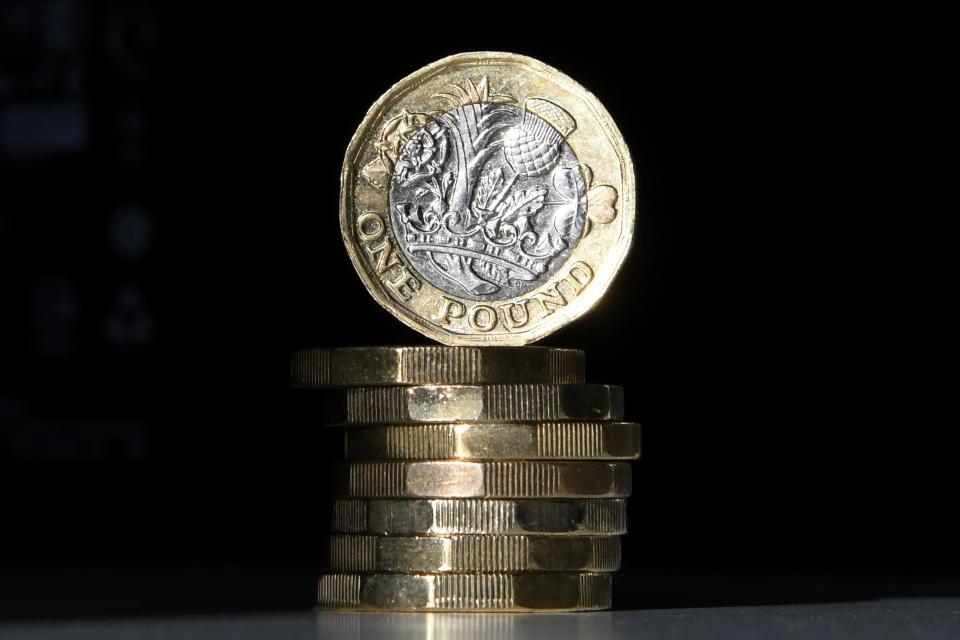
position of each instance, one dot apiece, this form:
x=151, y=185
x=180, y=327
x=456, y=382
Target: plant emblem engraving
x=487, y=198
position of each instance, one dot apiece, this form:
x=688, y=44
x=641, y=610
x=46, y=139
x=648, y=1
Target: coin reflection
x=473, y=626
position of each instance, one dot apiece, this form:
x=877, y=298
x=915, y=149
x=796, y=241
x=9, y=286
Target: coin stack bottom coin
x=475, y=479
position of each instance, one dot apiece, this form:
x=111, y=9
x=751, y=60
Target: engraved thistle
x=488, y=199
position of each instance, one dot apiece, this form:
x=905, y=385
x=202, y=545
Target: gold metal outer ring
x=368, y=366
x=496, y=441
x=466, y=592
x=486, y=553
x=473, y=403
x=453, y=516
x=456, y=479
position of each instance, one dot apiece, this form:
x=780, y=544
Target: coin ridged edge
x=575, y=440
x=459, y=516
x=463, y=592
x=485, y=553
x=435, y=364
x=474, y=403
x=509, y=479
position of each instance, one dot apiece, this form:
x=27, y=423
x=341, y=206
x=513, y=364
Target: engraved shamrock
x=573, y=183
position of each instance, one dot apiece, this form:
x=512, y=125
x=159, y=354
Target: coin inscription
x=487, y=199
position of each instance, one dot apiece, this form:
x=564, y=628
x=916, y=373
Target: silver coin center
x=488, y=201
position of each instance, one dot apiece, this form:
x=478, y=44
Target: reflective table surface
x=877, y=620
x=275, y=603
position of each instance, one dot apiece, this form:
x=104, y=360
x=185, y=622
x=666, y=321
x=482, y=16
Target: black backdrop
x=783, y=326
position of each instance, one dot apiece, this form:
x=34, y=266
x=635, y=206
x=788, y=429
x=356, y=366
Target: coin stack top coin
x=461, y=492
x=487, y=200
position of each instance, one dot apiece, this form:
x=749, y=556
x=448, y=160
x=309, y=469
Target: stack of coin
x=475, y=479
x=486, y=201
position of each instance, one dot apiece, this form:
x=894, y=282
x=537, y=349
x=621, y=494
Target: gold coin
x=474, y=403
x=466, y=592
x=505, y=440
x=362, y=366
x=473, y=553
x=487, y=199
x=460, y=479
x=459, y=516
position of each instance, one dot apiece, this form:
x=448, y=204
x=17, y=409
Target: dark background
x=783, y=327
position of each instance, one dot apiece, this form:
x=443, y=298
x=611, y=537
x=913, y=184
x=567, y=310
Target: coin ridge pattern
x=510, y=479
x=541, y=440
x=474, y=403
x=434, y=364
x=473, y=553
x=466, y=592
x=457, y=516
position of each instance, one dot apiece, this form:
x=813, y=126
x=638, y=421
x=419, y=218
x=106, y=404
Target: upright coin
x=474, y=403
x=487, y=199
x=370, y=366
x=534, y=591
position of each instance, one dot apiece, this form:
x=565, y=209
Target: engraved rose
x=420, y=164
x=417, y=158
x=393, y=139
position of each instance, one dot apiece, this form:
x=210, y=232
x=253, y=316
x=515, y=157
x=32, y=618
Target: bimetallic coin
x=460, y=479
x=505, y=440
x=474, y=553
x=459, y=516
x=474, y=403
x=487, y=199
x=368, y=366
x=560, y=591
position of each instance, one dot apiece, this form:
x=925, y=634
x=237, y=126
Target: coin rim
x=338, y=402
x=299, y=361
x=583, y=302
x=432, y=606
x=341, y=479
x=357, y=429
x=436, y=530
x=532, y=558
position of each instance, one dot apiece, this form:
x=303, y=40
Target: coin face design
x=488, y=216
x=487, y=199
